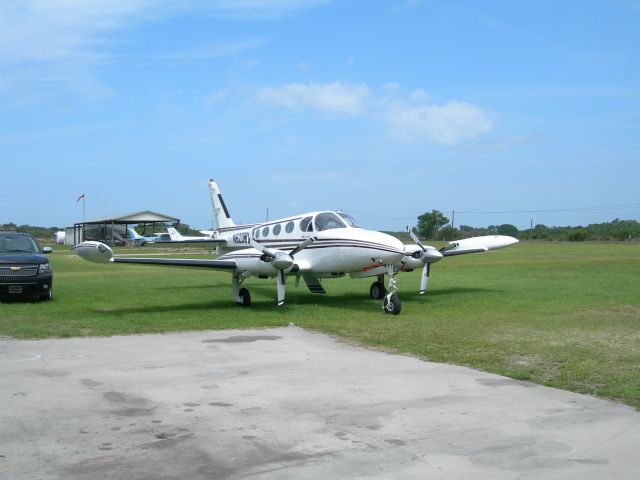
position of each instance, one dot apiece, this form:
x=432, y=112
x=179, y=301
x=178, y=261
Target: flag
x=79, y=198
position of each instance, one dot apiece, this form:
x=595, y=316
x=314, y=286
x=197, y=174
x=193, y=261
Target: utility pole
x=453, y=218
x=531, y=230
x=267, y=219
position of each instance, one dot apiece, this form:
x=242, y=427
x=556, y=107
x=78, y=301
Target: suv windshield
x=17, y=243
x=328, y=221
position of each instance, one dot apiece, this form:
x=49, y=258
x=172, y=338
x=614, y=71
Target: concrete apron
x=288, y=404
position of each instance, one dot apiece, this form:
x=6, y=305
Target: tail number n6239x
x=243, y=238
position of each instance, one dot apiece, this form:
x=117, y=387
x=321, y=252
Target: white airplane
x=311, y=246
x=176, y=236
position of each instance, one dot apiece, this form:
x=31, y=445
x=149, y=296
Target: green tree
x=430, y=223
x=508, y=229
x=448, y=233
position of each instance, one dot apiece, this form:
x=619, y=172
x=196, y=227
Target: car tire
x=47, y=296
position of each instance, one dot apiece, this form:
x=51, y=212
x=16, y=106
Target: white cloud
x=214, y=50
x=447, y=124
x=336, y=97
x=215, y=97
x=72, y=40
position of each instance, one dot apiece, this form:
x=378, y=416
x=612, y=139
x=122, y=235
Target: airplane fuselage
x=340, y=246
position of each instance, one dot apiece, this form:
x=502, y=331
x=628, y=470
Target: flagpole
x=83, y=214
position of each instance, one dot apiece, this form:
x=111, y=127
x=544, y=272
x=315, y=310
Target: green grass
x=559, y=314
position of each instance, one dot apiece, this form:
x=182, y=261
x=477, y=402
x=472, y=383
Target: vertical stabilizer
x=221, y=217
x=174, y=234
x=133, y=235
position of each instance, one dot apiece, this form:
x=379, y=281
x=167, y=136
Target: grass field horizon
x=566, y=315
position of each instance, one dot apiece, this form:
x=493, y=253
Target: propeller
x=280, y=261
x=428, y=255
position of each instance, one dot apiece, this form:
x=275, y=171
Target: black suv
x=24, y=269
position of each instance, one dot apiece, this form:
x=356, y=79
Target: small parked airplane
x=141, y=240
x=311, y=246
x=176, y=236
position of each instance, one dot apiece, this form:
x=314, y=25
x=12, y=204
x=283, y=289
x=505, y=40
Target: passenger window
x=265, y=232
x=288, y=227
x=276, y=229
x=305, y=223
x=256, y=233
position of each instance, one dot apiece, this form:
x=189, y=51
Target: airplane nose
x=394, y=251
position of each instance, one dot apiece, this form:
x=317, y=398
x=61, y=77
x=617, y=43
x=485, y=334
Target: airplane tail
x=133, y=235
x=221, y=217
x=175, y=235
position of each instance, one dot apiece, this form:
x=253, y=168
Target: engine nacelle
x=415, y=257
x=94, y=252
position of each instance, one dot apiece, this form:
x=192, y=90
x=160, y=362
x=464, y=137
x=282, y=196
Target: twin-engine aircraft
x=312, y=246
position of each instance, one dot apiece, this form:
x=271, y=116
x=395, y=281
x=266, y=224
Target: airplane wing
x=461, y=251
x=179, y=262
x=101, y=253
x=477, y=245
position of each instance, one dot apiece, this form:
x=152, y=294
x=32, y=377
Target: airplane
x=312, y=246
x=176, y=236
x=142, y=240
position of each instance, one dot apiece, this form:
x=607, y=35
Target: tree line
x=435, y=225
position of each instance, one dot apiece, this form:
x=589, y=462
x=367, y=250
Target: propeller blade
x=415, y=238
x=302, y=246
x=425, y=278
x=261, y=248
x=281, y=291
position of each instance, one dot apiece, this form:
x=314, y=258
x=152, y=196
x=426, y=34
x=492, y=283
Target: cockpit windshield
x=349, y=219
x=328, y=221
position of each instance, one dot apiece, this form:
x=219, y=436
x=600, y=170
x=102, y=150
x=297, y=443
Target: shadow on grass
x=451, y=291
x=207, y=286
x=344, y=301
x=341, y=301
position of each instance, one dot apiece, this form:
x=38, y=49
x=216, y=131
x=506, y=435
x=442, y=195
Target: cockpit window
x=305, y=224
x=349, y=219
x=328, y=221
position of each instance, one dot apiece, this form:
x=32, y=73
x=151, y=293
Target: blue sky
x=388, y=109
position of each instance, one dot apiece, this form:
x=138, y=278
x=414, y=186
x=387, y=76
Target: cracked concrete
x=287, y=403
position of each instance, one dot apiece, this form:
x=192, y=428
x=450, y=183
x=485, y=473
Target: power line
x=625, y=206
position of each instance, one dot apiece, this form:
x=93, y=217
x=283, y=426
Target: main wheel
x=377, y=290
x=245, y=297
x=391, y=304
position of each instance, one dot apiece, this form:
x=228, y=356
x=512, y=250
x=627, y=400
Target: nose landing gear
x=391, y=303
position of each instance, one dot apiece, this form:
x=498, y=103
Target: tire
x=47, y=296
x=377, y=291
x=391, y=304
x=245, y=297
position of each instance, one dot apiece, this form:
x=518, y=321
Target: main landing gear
x=240, y=295
x=390, y=301
x=377, y=290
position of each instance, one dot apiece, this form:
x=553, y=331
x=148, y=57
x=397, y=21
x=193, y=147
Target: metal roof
x=145, y=216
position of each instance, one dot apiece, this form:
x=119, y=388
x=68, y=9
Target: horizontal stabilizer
x=204, y=242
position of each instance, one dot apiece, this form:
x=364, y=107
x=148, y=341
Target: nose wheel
x=391, y=304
